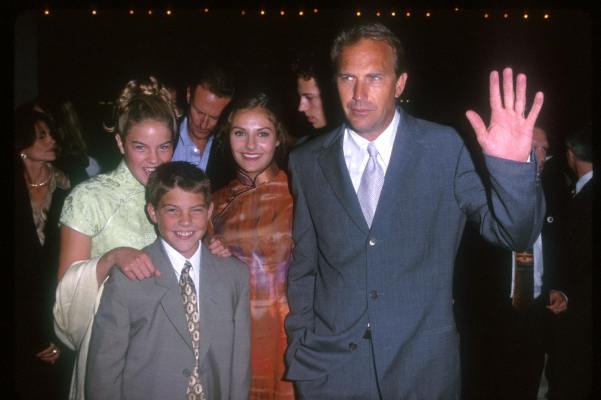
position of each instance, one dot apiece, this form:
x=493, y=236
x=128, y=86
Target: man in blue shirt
x=207, y=97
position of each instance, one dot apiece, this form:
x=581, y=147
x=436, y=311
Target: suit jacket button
x=352, y=346
x=187, y=372
x=373, y=294
x=372, y=242
x=550, y=219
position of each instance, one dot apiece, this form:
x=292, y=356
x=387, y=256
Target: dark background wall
x=89, y=58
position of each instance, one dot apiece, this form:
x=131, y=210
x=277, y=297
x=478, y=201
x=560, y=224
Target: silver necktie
x=371, y=185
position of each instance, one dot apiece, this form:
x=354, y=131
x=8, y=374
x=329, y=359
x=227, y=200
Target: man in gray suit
x=160, y=339
x=370, y=287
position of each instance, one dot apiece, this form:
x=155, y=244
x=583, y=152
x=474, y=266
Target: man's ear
x=400, y=85
x=210, y=212
x=119, y=143
x=151, y=213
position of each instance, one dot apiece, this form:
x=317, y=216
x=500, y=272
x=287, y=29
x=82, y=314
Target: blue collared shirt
x=186, y=150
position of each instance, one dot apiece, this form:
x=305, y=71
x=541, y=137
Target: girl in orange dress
x=253, y=219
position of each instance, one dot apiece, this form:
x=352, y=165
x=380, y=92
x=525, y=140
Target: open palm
x=509, y=134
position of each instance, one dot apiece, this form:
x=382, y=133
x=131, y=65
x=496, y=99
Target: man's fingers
x=494, y=91
x=537, y=104
x=520, y=94
x=508, y=95
x=476, y=123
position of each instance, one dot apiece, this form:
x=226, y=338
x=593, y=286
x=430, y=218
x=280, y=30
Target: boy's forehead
x=175, y=194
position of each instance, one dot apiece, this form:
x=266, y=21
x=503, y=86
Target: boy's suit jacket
x=141, y=348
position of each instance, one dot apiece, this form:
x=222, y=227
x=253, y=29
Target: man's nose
x=359, y=90
x=302, y=105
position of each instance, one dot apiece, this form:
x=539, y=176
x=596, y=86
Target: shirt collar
x=126, y=178
x=383, y=142
x=178, y=260
x=583, y=180
x=184, y=135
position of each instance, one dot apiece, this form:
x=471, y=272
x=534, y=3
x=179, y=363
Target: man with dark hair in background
x=207, y=97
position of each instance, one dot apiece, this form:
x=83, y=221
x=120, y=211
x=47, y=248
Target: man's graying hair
x=374, y=31
x=580, y=142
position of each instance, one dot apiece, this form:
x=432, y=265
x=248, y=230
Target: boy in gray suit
x=162, y=338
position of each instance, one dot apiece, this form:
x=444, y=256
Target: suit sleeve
x=109, y=341
x=241, y=373
x=302, y=271
x=511, y=213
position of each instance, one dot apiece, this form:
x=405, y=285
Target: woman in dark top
x=41, y=366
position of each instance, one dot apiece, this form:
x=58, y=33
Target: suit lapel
x=336, y=174
x=404, y=155
x=208, y=281
x=171, y=300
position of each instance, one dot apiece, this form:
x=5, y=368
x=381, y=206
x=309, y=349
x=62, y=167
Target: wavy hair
x=140, y=100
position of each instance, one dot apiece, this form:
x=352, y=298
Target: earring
x=23, y=155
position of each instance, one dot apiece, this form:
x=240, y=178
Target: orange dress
x=253, y=219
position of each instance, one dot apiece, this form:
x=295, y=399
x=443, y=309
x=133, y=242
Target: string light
x=407, y=13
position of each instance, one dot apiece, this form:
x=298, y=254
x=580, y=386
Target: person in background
x=103, y=221
x=73, y=157
x=207, y=97
x=40, y=189
x=317, y=97
x=506, y=327
x=253, y=219
x=574, y=333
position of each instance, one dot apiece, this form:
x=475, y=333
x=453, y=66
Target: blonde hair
x=140, y=100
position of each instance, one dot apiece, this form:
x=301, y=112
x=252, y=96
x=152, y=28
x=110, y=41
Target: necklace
x=40, y=184
x=36, y=185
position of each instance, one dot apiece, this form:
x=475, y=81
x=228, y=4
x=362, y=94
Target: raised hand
x=509, y=134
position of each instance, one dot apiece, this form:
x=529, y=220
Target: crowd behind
x=75, y=223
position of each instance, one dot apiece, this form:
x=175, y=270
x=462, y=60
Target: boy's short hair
x=180, y=174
